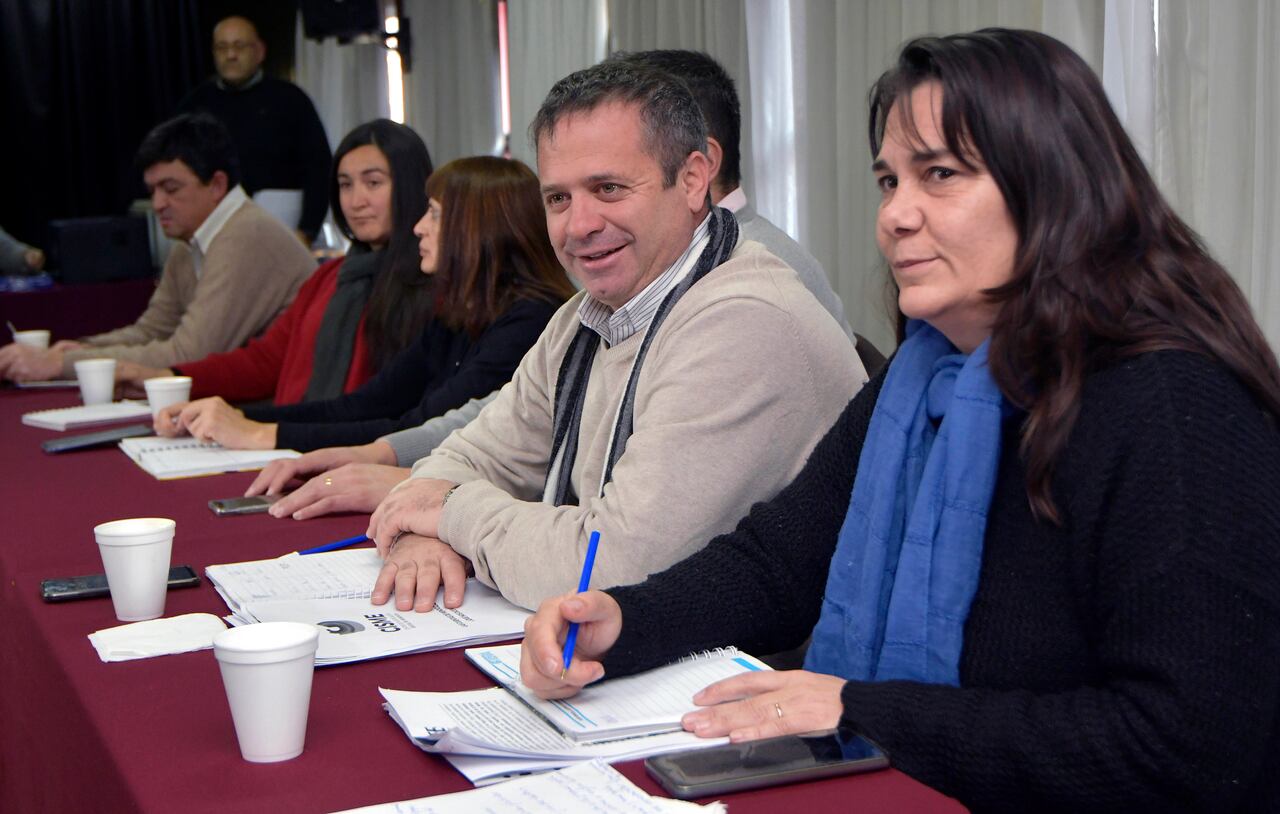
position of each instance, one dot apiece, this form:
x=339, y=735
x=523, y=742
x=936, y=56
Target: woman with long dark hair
x=1040, y=548
x=495, y=283
x=356, y=312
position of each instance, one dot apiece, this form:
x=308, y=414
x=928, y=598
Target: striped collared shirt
x=637, y=313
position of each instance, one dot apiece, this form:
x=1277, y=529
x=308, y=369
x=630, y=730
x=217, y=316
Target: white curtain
x=347, y=83
x=1217, y=136
x=814, y=61
x=715, y=27
x=451, y=94
x=548, y=40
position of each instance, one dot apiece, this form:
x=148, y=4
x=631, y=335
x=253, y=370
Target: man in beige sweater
x=233, y=270
x=689, y=379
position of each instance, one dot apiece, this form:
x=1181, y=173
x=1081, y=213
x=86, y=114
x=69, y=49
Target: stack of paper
x=332, y=590
x=491, y=735
x=67, y=418
x=587, y=788
x=169, y=458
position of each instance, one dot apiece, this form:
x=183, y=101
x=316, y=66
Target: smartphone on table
x=769, y=762
x=64, y=589
x=256, y=504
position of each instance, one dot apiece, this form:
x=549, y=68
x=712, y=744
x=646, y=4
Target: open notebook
x=68, y=418
x=491, y=735
x=169, y=458
x=643, y=704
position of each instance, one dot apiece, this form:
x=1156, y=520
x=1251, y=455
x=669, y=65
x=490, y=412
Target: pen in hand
x=583, y=583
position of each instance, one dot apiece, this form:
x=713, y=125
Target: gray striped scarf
x=575, y=370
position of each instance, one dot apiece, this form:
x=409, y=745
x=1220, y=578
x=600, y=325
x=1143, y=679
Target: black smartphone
x=770, y=762
x=242, y=505
x=89, y=440
x=65, y=589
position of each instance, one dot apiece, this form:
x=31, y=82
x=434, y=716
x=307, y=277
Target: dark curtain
x=82, y=82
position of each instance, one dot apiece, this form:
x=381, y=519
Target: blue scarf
x=907, y=563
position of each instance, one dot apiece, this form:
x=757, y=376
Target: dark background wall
x=82, y=81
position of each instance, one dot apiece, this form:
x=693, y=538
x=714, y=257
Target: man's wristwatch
x=449, y=494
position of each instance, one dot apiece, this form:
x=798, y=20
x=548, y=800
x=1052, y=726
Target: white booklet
x=332, y=589
x=169, y=458
x=491, y=735
x=587, y=788
x=344, y=574
x=643, y=704
x=358, y=630
x=69, y=418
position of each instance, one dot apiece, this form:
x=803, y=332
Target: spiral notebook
x=67, y=418
x=648, y=703
x=169, y=458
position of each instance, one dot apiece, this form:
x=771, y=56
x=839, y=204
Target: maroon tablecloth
x=73, y=311
x=155, y=734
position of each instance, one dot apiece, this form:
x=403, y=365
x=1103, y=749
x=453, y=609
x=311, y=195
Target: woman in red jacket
x=355, y=312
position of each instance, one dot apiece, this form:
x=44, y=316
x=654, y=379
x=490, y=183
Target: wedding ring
x=777, y=708
x=328, y=481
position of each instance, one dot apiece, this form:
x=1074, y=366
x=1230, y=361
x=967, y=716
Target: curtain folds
x=81, y=84
x=548, y=40
x=451, y=96
x=347, y=83
x=1217, y=136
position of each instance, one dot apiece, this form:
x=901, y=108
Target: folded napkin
x=157, y=637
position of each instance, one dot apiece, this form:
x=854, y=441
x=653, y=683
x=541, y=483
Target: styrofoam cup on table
x=32, y=339
x=135, y=555
x=165, y=390
x=97, y=379
x=266, y=671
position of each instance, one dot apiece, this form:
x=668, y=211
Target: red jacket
x=277, y=365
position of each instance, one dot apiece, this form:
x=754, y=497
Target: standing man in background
x=274, y=126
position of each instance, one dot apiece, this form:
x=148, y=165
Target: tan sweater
x=252, y=270
x=745, y=375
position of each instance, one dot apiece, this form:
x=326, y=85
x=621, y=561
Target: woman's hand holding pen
x=542, y=655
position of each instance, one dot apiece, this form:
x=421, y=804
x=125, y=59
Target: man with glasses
x=274, y=126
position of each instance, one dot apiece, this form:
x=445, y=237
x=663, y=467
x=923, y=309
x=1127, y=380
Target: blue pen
x=334, y=546
x=582, y=586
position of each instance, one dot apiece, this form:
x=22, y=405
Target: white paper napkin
x=157, y=637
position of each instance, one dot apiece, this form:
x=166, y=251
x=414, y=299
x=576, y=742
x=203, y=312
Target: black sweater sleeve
x=439, y=372
x=766, y=576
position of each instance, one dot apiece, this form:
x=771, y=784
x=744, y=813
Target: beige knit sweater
x=745, y=375
x=252, y=270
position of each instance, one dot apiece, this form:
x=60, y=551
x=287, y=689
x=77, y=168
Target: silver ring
x=777, y=708
x=396, y=539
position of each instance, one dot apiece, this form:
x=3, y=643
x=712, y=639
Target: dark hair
x=400, y=302
x=196, y=139
x=673, y=123
x=715, y=93
x=1104, y=269
x=494, y=247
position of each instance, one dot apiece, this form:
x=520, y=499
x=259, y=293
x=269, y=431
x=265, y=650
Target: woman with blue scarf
x=1039, y=554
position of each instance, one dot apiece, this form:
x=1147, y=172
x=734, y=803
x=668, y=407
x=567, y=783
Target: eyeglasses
x=221, y=48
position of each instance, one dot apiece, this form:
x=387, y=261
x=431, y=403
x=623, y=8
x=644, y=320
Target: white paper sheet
x=587, y=788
